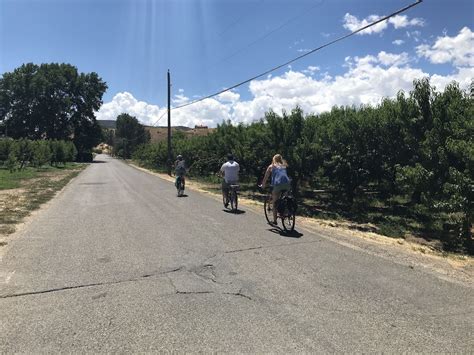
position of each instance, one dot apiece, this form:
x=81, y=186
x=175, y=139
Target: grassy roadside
x=24, y=191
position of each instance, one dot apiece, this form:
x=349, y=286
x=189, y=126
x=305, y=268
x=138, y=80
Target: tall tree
x=52, y=101
x=129, y=135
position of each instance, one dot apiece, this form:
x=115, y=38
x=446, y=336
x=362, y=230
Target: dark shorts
x=281, y=187
x=226, y=185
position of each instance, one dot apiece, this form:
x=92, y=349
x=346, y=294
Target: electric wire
x=303, y=55
x=302, y=13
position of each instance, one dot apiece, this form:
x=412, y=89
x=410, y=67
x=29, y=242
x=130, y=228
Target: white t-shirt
x=231, y=171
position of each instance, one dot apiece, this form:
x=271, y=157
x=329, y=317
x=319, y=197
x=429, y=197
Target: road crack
x=270, y=246
x=96, y=284
x=239, y=294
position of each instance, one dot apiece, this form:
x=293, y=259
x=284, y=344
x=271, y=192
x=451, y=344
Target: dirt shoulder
x=16, y=205
x=410, y=253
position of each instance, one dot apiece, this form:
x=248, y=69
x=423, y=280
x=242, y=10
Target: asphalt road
x=116, y=262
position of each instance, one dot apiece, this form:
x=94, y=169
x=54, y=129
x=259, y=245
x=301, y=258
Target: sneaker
x=273, y=223
x=226, y=204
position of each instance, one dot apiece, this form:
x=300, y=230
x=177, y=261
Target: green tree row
x=17, y=154
x=418, y=145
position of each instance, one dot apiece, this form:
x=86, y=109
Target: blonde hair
x=278, y=160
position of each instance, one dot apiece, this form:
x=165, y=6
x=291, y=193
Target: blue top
x=279, y=175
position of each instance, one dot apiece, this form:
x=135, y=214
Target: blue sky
x=211, y=44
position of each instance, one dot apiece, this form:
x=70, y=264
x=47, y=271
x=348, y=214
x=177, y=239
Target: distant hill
x=161, y=133
x=109, y=124
x=158, y=134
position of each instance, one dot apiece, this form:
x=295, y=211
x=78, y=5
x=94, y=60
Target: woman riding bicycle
x=280, y=180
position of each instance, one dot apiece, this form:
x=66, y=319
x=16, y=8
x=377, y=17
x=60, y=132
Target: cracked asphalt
x=117, y=263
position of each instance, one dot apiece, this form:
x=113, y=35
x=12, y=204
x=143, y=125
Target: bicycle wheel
x=178, y=185
x=288, y=220
x=225, y=200
x=233, y=200
x=267, y=207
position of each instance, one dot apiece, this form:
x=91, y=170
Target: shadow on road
x=234, y=212
x=283, y=233
x=99, y=162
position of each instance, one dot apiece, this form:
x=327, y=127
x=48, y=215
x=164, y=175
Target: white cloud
x=208, y=112
x=414, y=34
x=352, y=23
x=458, y=50
x=393, y=59
x=398, y=42
x=180, y=99
x=311, y=70
x=402, y=21
x=366, y=80
x=229, y=96
x=124, y=102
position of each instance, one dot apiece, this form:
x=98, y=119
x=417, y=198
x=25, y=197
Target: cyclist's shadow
x=290, y=234
x=237, y=211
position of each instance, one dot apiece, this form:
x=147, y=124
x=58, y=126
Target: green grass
x=13, y=180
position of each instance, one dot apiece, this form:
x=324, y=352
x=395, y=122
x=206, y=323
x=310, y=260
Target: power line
x=232, y=24
x=302, y=13
x=242, y=16
x=303, y=55
x=158, y=120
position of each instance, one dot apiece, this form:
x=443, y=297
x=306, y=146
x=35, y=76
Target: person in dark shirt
x=179, y=169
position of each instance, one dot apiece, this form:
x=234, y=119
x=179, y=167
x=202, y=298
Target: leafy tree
x=41, y=153
x=86, y=136
x=58, y=149
x=51, y=101
x=11, y=161
x=129, y=135
x=109, y=136
x=6, y=145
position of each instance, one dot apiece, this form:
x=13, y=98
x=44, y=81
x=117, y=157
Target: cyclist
x=179, y=169
x=230, y=172
x=280, y=180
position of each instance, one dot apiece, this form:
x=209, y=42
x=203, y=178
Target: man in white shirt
x=230, y=172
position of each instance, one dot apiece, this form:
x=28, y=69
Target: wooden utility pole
x=169, y=124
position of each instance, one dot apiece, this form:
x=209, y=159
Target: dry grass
x=159, y=134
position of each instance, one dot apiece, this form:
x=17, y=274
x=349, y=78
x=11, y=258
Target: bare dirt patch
x=16, y=204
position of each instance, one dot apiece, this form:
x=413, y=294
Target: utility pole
x=169, y=124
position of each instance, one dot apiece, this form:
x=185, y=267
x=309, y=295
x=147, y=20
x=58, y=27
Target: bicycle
x=180, y=185
x=232, y=197
x=286, y=209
